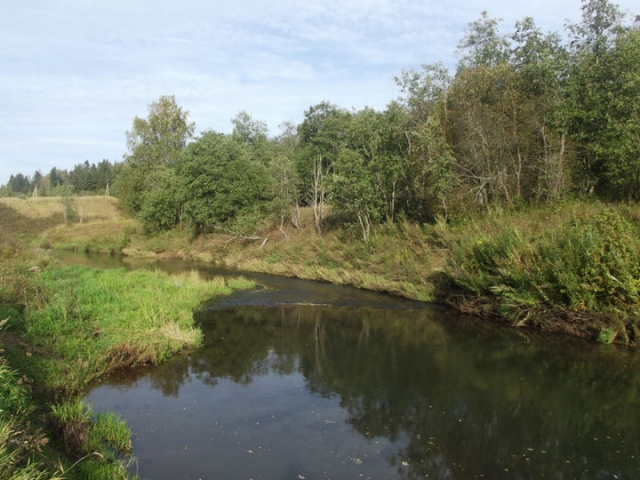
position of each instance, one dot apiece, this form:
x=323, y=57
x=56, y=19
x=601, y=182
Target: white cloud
x=74, y=73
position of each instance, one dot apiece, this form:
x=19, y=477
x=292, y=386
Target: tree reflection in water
x=454, y=399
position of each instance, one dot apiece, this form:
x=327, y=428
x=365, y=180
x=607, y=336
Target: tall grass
x=19, y=440
x=70, y=325
x=99, y=445
x=397, y=259
x=584, y=273
x=99, y=226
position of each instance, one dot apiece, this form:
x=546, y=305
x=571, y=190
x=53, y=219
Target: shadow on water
x=376, y=387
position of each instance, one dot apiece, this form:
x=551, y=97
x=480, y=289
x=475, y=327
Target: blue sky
x=74, y=73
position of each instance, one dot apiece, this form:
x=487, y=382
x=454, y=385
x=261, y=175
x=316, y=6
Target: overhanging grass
x=99, y=444
x=67, y=326
x=580, y=275
x=83, y=322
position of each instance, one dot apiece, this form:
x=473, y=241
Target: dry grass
x=101, y=227
x=99, y=236
x=89, y=208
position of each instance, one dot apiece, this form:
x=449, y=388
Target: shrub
x=589, y=266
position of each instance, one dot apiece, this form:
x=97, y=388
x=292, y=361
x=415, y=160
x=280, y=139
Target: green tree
x=225, y=188
x=323, y=134
x=54, y=178
x=482, y=44
x=286, y=180
x=540, y=63
x=601, y=21
x=484, y=108
x=429, y=172
x=70, y=210
x=424, y=90
x=162, y=205
x=254, y=135
x=589, y=89
x=354, y=190
x=152, y=142
x=36, y=180
x=620, y=145
x=19, y=184
x=247, y=130
x=434, y=177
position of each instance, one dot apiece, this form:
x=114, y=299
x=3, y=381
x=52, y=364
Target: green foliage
x=162, y=201
x=13, y=394
x=248, y=131
x=596, y=263
x=525, y=119
x=99, y=443
x=70, y=211
x=153, y=142
x=482, y=43
x=607, y=336
x=223, y=184
x=353, y=190
x=424, y=90
x=590, y=265
x=19, y=441
x=619, y=144
x=87, y=178
x=435, y=178
x=322, y=136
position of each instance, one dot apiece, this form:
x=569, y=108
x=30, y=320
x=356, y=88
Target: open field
x=99, y=227
x=89, y=208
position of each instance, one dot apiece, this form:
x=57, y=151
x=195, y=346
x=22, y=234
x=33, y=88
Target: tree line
x=84, y=178
x=526, y=118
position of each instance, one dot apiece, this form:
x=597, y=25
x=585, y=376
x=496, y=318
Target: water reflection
x=297, y=391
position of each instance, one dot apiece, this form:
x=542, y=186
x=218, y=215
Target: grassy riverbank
x=569, y=268
x=64, y=326
x=575, y=270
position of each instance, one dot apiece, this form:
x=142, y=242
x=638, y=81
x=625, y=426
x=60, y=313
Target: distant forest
x=85, y=178
x=526, y=118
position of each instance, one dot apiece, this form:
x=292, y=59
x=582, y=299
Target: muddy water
x=301, y=380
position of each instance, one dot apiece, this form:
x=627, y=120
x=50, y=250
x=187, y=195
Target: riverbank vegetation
x=63, y=327
x=530, y=122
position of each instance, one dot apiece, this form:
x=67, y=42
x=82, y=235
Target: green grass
x=69, y=325
x=99, y=445
x=20, y=443
x=83, y=322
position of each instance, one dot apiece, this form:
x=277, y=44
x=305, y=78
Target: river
x=305, y=380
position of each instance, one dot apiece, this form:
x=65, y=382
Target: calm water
x=300, y=380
